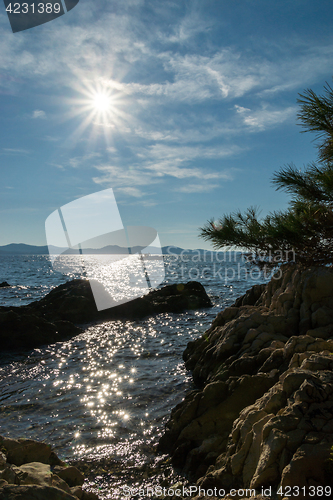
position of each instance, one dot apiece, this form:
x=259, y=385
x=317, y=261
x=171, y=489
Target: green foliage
x=305, y=230
x=316, y=115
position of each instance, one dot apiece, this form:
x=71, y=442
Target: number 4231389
x=33, y=8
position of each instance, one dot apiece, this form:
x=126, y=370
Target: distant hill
x=23, y=249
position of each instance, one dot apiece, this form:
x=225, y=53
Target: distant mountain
x=23, y=249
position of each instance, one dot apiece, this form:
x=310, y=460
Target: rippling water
x=104, y=396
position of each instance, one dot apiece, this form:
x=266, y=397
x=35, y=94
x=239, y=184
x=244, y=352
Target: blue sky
x=201, y=109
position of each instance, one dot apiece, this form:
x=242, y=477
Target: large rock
x=40, y=472
x=74, y=302
x=56, y=316
x=263, y=410
x=22, y=451
x=70, y=474
x=35, y=473
x=309, y=466
x=34, y=492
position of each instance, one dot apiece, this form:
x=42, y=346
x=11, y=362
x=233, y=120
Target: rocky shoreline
x=58, y=315
x=261, y=417
x=262, y=413
x=30, y=470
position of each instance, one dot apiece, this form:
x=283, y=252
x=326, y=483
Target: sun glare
x=100, y=105
x=102, y=102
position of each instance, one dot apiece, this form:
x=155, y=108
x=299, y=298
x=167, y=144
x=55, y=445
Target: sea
x=102, y=398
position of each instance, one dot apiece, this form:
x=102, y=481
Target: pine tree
x=304, y=232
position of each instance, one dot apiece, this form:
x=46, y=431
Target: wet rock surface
x=262, y=413
x=58, y=314
x=30, y=470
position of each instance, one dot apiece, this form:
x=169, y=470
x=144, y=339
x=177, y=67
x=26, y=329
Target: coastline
x=261, y=416
x=172, y=297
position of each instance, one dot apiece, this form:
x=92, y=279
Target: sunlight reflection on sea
x=104, y=396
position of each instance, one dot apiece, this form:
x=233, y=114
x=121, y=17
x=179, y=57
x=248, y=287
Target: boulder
x=89, y=495
x=56, y=316
x=263, y=410
x=3, y=460
x=34, y=473
x=70, y=474
x=77, y=492
x=74, y=302
x=4, y=284
x=22, y=451
x=34, y=492
x=47, y=474
x=310, y=463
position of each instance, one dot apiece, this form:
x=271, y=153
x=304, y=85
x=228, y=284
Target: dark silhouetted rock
x=33, y=492
x=74, y=302
x=56, y=316
x=4, y=284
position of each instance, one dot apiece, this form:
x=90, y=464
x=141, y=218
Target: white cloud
x=131, y=191
x=176, y=98
x=124, y=177
x=197, y=188
x=16, y=151
x=265, y=117
x=123, y=41
x=79, y=161
x=51, y=138
x=39, y=113
x=187, y=29
x=57, y=165
x=159, y=163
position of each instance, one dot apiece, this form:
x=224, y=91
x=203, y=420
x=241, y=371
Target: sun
x=99, y=106
x=102, y=102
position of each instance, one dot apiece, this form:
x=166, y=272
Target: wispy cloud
x=38, y=113
x=57, y=165
x=117, y=176
x=79, y=161
x=198, y=188
x=122, y=40
x=131, y=191
x=186, y=30
x=159, y=163
x=51, y=138
x=165, y=160
x=18, y=151
x=265, y=117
